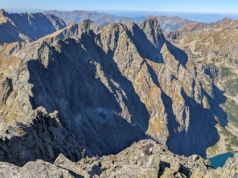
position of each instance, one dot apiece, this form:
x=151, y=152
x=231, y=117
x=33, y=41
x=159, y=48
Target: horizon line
x=94, y=10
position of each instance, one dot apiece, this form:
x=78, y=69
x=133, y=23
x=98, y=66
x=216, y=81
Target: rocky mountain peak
x=2, y=12
x=87, y=23
x=153, y=31
x=152, y=22
x=72, y=31
x=226, y=23
x=3, y=16
x=225, y=19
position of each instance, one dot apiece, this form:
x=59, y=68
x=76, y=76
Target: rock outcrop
x=44, y=139
x=134, y=161
x=36, y=169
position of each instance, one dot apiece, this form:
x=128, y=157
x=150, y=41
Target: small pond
x=220, y=160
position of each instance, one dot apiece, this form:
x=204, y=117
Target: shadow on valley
x=44, y=139
x=215, y=108
x=201, y=132
x=85, y=85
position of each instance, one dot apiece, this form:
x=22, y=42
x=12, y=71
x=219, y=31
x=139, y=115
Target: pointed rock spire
x=2, y=13
x=153, y=31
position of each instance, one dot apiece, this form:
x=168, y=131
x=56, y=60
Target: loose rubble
x=132, y=162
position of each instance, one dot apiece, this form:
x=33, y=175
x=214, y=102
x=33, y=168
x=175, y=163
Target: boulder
x=37, y=169
x=168, y=173
x=65, y=163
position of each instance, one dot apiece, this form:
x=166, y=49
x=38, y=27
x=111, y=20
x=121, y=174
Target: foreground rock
x=65, y=163
x=43, y=139
x=135, y=162
x=38, y=169
x=131, y=162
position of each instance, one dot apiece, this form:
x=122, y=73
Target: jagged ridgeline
x=105, y=89
x=27, y=27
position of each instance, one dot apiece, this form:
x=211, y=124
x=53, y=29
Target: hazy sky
x=224, y=6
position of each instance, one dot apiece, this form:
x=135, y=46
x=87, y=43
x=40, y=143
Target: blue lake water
x=219, y=160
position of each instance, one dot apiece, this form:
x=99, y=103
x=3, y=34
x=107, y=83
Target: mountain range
x=103, y=19
x=82, y=86
x=27, y=27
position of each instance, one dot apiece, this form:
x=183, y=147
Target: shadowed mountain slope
x=214, y=48
x=27, y=27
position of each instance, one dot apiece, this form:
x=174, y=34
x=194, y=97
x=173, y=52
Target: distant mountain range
x=27, y=27
x=193, y=16
x=103, y=19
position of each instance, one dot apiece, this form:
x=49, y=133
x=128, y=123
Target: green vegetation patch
x=231, y=86
x=231, y=109
x=230, y=139
x=225, y=72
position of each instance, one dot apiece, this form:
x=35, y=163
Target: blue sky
x=223, y=6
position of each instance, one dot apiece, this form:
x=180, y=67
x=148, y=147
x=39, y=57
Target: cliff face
x=214, y=47
x=27, y=27
x=111, y=88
